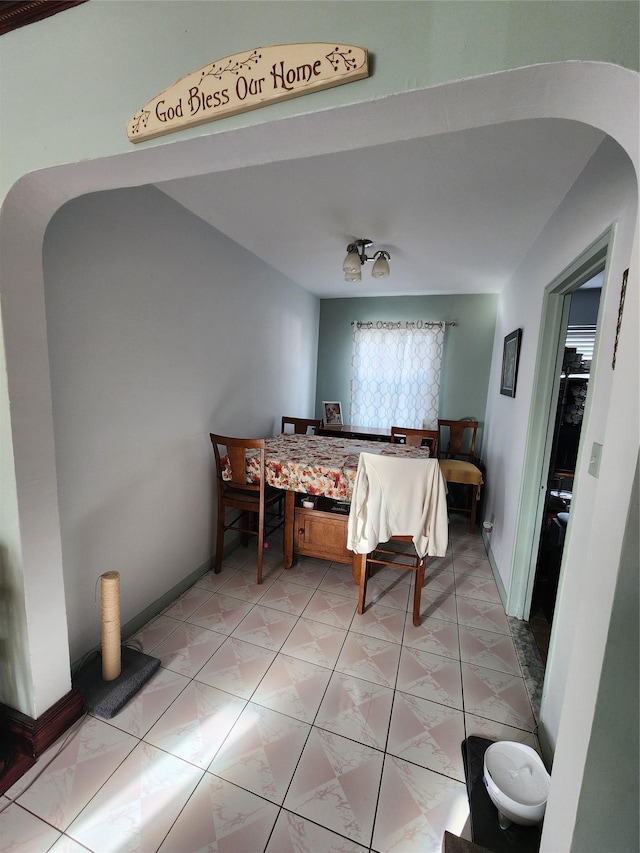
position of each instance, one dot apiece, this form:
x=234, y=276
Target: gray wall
x=584, y=306
x=160, y=330
x=467, y=350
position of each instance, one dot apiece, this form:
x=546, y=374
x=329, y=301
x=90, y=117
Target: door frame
x=546, y=386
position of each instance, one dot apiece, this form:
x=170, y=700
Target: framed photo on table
x=510, y=358
x=331, y=413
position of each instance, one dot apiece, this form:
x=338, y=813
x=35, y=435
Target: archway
x=551, y=91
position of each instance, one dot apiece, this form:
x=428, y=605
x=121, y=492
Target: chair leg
x=364, y=572
x=358, y=565
x=287, y=539
x=417, y=592
x=260, y=545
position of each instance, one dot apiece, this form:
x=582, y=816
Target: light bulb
x=352, y=263
x=381, y=267
x=353, y=275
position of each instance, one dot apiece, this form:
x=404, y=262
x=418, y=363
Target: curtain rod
x=397, y=324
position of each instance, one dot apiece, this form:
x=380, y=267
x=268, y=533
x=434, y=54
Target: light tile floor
x=280, y=720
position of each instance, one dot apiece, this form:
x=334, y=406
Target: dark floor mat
x=107, y=698
x=484, y=815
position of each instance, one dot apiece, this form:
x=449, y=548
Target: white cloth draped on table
x=393, y=496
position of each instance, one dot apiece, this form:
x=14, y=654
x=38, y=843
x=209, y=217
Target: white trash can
x=517, y=783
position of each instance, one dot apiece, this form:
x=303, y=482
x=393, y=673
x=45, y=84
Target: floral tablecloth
x=320, y=465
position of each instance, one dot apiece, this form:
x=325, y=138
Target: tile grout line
x=350, y=629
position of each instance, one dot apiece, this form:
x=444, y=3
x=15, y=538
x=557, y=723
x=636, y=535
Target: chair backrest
x=233, y=460
x=301, y=426
x=458, y=439
x=416, y=438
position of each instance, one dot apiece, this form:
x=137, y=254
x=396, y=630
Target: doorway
x=566, y=418
x=545, y=389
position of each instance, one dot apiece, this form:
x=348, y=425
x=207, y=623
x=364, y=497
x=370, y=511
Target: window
x=395, y=374
x=582, y=339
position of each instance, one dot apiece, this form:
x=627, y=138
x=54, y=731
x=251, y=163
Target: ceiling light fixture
x=357, y=257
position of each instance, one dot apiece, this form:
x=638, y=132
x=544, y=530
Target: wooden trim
x=30, y=738
x=33, y=737
x=14, y=15
x=18, y=766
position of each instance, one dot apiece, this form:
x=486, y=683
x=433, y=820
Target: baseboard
x=30, y=738
x=496, y=574
x=14, y=770
x=141, y=619
x=152, y=610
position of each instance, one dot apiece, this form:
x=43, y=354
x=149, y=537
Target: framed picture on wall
x=510, y=358
x=332, y=413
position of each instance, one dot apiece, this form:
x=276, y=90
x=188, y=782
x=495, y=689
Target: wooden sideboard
x=349, y=431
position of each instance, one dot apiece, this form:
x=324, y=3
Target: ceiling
x=457, y=212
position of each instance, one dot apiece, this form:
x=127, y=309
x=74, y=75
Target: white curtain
x=395, y=374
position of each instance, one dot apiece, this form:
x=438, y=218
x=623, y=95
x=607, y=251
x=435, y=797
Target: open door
x=573, y=389
x=538, y=456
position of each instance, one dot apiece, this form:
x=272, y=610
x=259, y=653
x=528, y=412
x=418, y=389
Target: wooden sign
x=247, y=81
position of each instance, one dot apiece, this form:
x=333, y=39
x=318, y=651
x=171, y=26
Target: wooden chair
x=301, y=426
x=252, y=499
x=421, y=505
x=416, y=438
x=457, y=450
x=389, y=556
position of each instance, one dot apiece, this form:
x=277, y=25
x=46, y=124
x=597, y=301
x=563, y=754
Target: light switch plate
x=594, y=460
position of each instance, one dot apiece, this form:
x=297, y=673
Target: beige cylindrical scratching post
x=110, y=600
x=108, y=681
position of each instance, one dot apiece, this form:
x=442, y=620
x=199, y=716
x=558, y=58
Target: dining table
x=317, y=466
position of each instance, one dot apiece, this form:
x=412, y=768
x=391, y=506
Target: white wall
x=82, y=117
x=605, y=195
x=416, y=45
x=160, y=331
